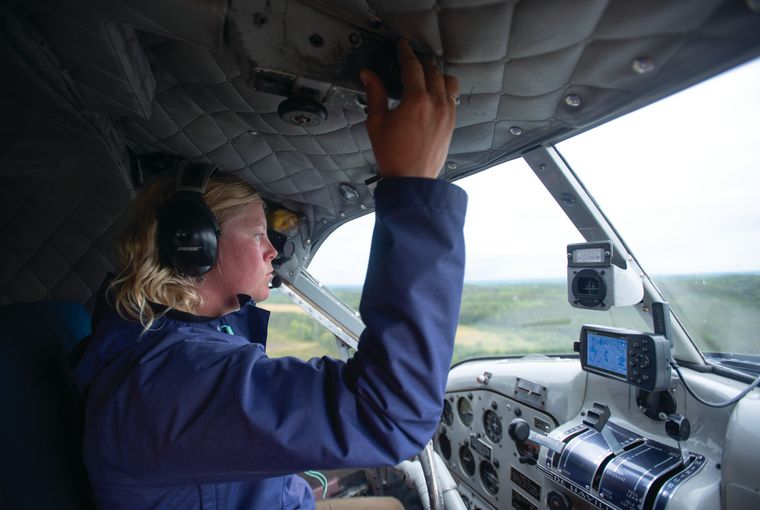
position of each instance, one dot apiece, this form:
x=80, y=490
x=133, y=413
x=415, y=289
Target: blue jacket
x=188, y=416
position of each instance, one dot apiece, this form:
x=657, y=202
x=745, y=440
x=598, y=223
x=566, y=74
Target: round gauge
x=465, y=411
x=492, y=425
x=489, y=477
x=444, y=445
x=447, y=416
x=467, y=460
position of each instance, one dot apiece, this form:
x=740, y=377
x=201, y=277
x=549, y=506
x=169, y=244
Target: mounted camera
x=594, y=282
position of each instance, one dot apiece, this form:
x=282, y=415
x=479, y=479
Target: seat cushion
x=41, y=425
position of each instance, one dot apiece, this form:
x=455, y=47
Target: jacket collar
x=249, y=321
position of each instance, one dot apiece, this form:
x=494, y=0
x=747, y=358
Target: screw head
x=450, y=165
x=316, y=40
x=573, y=100
x=643, y=65
x=515, y=130
x=355, y=39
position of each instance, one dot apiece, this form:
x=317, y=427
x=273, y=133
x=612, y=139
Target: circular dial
x=558, y=501
x=492, y=425
x=444, y=445
x=489, y=477
x=464, y=408
x=447, y=416
x=467, y=460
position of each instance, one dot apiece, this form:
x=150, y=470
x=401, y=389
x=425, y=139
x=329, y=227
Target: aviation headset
x=188, y=232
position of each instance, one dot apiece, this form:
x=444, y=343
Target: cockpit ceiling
x=180, y=78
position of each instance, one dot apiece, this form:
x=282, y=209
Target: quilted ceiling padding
x=58, y=207
x=518, y=64
x=87, y=84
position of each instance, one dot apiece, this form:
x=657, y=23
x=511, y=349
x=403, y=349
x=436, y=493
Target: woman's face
x=244, y=262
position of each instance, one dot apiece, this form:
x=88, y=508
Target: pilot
x=183, y=408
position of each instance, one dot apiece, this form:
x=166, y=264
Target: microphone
x=276, y=282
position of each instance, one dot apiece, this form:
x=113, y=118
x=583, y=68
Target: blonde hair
x=143, y=280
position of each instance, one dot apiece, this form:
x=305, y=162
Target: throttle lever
x=597, y=418
x=519, y=430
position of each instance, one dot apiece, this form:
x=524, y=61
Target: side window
x=340, y=263
x=292, y=332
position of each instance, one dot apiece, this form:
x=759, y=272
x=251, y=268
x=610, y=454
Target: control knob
x=558, y=501
x=519, y=431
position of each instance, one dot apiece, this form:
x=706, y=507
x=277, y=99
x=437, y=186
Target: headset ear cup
x=187, y=234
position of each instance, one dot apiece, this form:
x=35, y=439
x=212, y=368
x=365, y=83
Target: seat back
x=42, y=421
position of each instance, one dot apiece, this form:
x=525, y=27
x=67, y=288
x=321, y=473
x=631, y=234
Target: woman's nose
x=270, y=252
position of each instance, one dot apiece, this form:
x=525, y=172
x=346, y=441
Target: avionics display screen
x=607, y=353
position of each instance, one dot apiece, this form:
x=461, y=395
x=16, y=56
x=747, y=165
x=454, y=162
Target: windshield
x=685, y=214
x=679, y=180
x=515, y=295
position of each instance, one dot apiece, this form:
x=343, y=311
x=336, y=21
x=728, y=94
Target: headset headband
x=193, y=177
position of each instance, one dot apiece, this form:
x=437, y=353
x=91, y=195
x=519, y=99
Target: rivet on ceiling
x=643, y=65
x=450, y=165
x=573, y=100
x=515, y=130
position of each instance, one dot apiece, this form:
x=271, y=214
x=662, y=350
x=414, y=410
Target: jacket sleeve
x=203, y=411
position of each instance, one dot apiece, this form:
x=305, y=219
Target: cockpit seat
x=41, y=425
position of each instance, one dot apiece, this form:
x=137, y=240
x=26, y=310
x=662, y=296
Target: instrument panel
x=600, y=448
x=492, y=471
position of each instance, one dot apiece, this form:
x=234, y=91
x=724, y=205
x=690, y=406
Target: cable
x=716, y=404
x=322, y=479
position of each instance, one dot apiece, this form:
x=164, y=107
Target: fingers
x=377, y=98
x=416, y=79
x=412, y=75
x=452, y=90
x=452, y=85
x=435, y=83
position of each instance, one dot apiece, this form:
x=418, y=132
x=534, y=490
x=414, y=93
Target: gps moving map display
x=607, y=353
x=637, y=358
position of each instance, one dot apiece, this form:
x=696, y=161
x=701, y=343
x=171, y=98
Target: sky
x=678, y=179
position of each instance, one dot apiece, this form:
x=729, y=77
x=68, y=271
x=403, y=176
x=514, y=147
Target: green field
x=721, y=311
